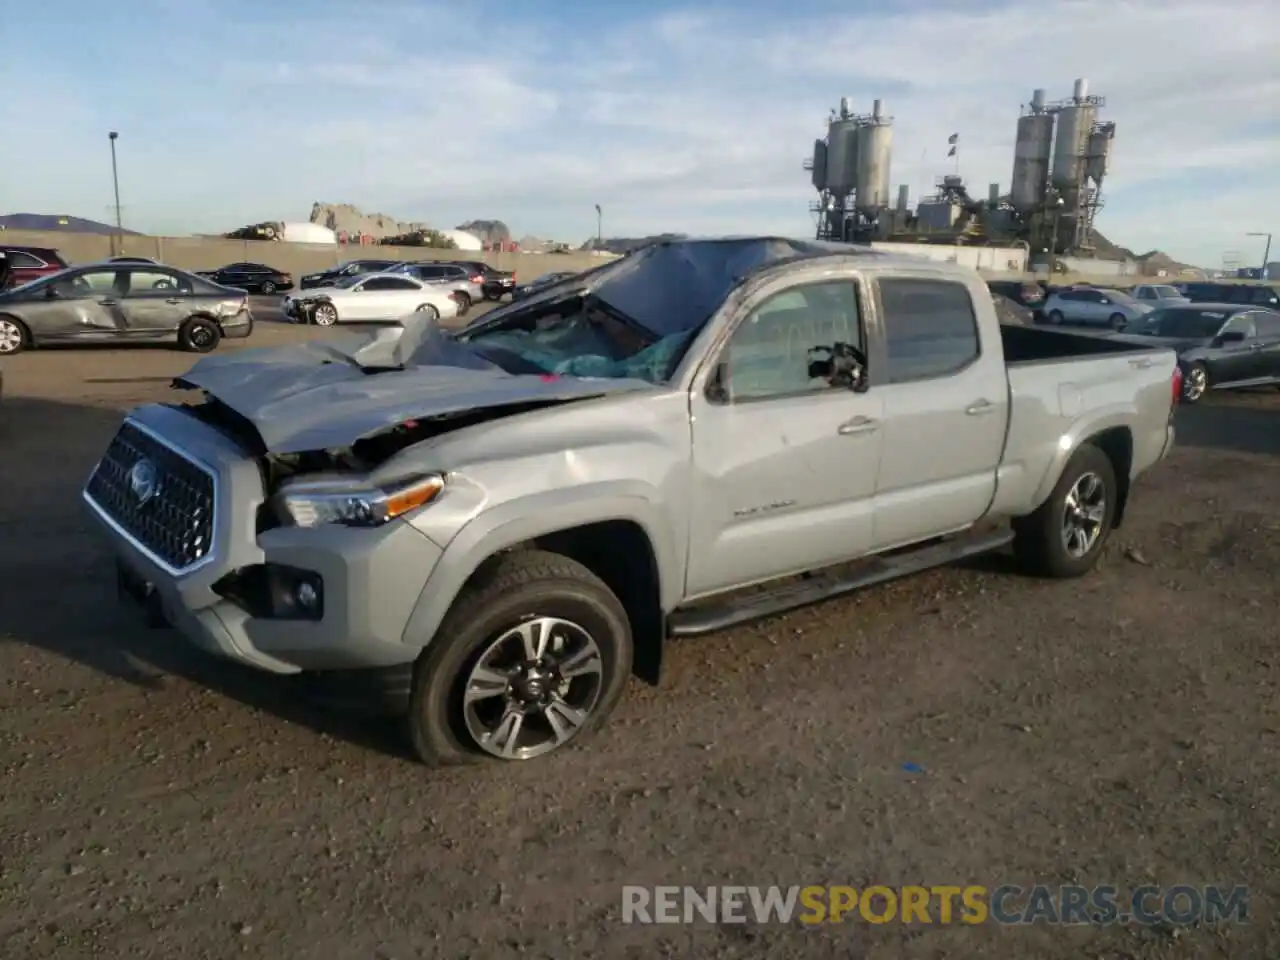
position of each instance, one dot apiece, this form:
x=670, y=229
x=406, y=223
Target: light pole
x=118, y=246
x=599, y=228
x=1266, y=253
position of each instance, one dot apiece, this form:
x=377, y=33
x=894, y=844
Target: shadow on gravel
x=60, y=588
x=1236, y=428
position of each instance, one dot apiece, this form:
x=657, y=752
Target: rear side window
x=22, y=259
x=1268, y=324
x=1265, y=296
x=930, y=328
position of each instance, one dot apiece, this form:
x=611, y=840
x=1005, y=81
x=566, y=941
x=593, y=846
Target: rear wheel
x=533, y=655
x=463, y=301
x=1055, y=317
x=1195, y=384
x=429, y=310
x=199, y=335
x=13, y=336
x=1117, y=321
x=1064, y=537
x=268, y=288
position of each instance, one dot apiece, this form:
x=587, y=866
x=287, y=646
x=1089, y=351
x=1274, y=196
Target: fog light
x=307, y=596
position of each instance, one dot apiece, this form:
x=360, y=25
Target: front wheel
x=1117, y=321
x=1195, y=384
x=325, y=315
x=268, y=288
x=199, y=335
x=1064, y=537
x=1055, y=317
x=532, y=657
x=13, y=336
x=430, y=310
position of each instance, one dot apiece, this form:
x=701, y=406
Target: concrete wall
x=198, y=253
x=987, y=260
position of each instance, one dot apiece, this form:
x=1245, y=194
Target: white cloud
x=694, y=121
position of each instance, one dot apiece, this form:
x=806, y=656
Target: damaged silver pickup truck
x=499, y=526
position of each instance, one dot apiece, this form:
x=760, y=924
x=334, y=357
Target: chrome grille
x=156, y=496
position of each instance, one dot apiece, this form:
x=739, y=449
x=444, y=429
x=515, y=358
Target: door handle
x=173, y=300
x=979, y=407
x=107, y=302
x=858, y=425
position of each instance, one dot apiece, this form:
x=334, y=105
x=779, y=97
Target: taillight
x=477, y=279
x=1177, y=384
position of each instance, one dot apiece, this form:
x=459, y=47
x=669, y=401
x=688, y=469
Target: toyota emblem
x=142, y=480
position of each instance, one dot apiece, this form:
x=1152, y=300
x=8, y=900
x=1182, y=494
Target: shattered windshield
x=581, y=339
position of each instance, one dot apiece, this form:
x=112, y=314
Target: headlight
x=309, y=503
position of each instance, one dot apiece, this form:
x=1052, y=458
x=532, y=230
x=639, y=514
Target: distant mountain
x=50, y=222
x=1151, y=262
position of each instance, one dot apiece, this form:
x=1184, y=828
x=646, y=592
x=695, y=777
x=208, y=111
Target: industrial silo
x=820, y=165
x=1070, y=150
x=1031, y=154
x=842, y=156
x=875, y=150
x=1098, y=160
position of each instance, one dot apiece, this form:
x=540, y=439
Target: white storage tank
x=875, y=149
x=842, y=156
x=308, y=233
x=465, y=241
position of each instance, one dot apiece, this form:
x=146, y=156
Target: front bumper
x=371, y=578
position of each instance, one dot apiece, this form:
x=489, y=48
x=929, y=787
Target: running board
x=715, y=616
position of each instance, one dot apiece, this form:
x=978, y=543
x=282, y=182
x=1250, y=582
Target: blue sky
x=686, y=117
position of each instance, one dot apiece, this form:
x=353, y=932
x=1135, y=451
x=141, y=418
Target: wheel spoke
x=564, y=719
x=581, y=663
x=1096, y=514
x=505, y=737
x=486, y=683
x=534, y=635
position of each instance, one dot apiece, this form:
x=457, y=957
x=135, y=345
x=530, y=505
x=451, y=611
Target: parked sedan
x=1220, y=345
x=1158, y=295
x=253, y=277
x=378, y=296
x=463, y=284
x=119, y=302
x=1092, y=307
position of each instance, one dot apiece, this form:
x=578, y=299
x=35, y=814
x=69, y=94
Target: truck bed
x=1025, y=345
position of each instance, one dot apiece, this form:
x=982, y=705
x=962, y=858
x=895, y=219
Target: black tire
x=429, y=309
x=1195, y=383
x=1118, y=321
x=512, y=589
x=268, y=288
x=1056, y=317
x=14, y=336
x=199, y=335
x=1039, y=540
x=324, y=314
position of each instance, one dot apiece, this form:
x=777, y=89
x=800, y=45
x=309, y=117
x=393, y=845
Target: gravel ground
x=966, y=726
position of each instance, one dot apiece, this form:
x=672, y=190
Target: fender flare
x=540, y=514
x=1080, y=432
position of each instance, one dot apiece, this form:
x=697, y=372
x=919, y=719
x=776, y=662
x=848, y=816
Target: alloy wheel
x=1086, y=511
x=533, y=688
x=10, y=337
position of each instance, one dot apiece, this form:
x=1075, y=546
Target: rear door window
x=930, y=328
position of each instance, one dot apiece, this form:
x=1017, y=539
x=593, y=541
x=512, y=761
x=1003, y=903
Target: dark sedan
x=327, y=278
x=122, y=303
x=1219, y=345
x=251, y=277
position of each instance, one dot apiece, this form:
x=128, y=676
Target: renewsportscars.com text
x=970, y=904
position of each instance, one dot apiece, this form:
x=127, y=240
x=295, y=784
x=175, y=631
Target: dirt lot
x=968, y=726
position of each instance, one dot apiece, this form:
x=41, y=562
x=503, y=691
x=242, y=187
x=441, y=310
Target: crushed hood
x=327, y=395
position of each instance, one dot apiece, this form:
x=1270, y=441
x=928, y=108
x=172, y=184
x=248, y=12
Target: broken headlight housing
x=353, y=502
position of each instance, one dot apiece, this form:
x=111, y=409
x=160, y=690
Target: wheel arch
x=1113, y=435
x=619, y=537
